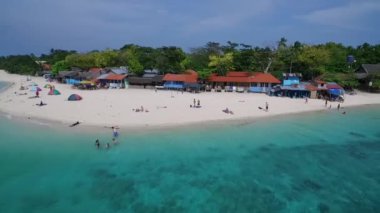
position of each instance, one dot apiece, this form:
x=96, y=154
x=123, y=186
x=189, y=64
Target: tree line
x=328, y=60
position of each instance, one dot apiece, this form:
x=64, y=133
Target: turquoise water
x=320, y=162
x=4, y=85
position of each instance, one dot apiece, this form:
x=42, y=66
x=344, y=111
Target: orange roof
x=95, y=69
x=310, y=87
x=319, y=82
x=332, y=85
x=115, y=77
x=215, y=78
x=180, y=77
x=243, y=77
x=237, y=74
x=191, y=72
x=190, y=76
x=260, y=77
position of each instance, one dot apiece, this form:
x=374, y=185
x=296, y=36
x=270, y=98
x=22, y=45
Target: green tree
x=107, y=58
x=56, y=55
x=19, y=64
x=146, y=55
x=376, y=82
x=59, y=66
x=222, y=64
x=84, y=61
x=204, y=74
x=338, y=57
x=343, y=79
x=169, y=59
x=130, y=57
x=314, y=58
x=245, y=58
x=199, y=58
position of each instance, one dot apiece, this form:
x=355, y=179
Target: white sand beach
x=110, y=107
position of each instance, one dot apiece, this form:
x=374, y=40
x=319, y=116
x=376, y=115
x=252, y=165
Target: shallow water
x=4, y=85
x=320, y=162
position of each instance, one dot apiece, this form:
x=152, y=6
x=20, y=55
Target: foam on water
x=320, y=162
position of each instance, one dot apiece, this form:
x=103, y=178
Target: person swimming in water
x=97, y=143
x=108, y=145
x=114, y=141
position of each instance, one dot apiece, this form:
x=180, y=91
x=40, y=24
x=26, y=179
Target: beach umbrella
x=54, y=92
x=48, y=86
x=74, y=97
x=35, y=88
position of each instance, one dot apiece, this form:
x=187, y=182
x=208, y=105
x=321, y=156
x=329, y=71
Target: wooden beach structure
x=149, y=78
x=293, y=87
x=186, y=81
x=243, y=82
x=366, y=74
x=112, y=81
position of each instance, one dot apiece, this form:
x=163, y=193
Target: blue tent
x=74, y=97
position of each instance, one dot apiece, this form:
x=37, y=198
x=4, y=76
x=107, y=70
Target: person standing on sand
x=194, y=102
x=199, y=103
x=306, y=100
x=326, y=103
x=266, y=106
x=338, y=107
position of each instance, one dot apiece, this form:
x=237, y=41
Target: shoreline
x=167, y=109
x=202, y=125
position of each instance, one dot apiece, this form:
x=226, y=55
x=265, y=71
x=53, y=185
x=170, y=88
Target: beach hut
x=54, y=92
x=48, y=86
x=149, y=78
x=74, y=97
x=68, y=77
x=244, y=81
x=335, y=91
x=178, y=81
x=367, y=74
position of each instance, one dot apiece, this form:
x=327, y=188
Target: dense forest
x=327, y=61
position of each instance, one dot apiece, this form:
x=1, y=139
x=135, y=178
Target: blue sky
x=36, y=26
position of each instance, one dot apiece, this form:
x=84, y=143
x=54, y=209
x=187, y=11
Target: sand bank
x=165, y=108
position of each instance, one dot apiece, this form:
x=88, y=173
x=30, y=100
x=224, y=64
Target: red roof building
x=244, y=81
x=244, y=78
x=95, y=69
x=189, y=76
x=115, y=77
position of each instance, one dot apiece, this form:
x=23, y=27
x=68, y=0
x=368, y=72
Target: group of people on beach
x=115, y=135
x=196, y=104
x=338, y=107
x=228, y=111
x=141, y=109
x=266, y=109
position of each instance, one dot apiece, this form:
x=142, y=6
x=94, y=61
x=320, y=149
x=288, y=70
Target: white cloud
x=353, y=15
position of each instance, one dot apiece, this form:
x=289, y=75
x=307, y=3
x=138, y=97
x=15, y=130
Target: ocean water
x=318, y=162
x=4, y=85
